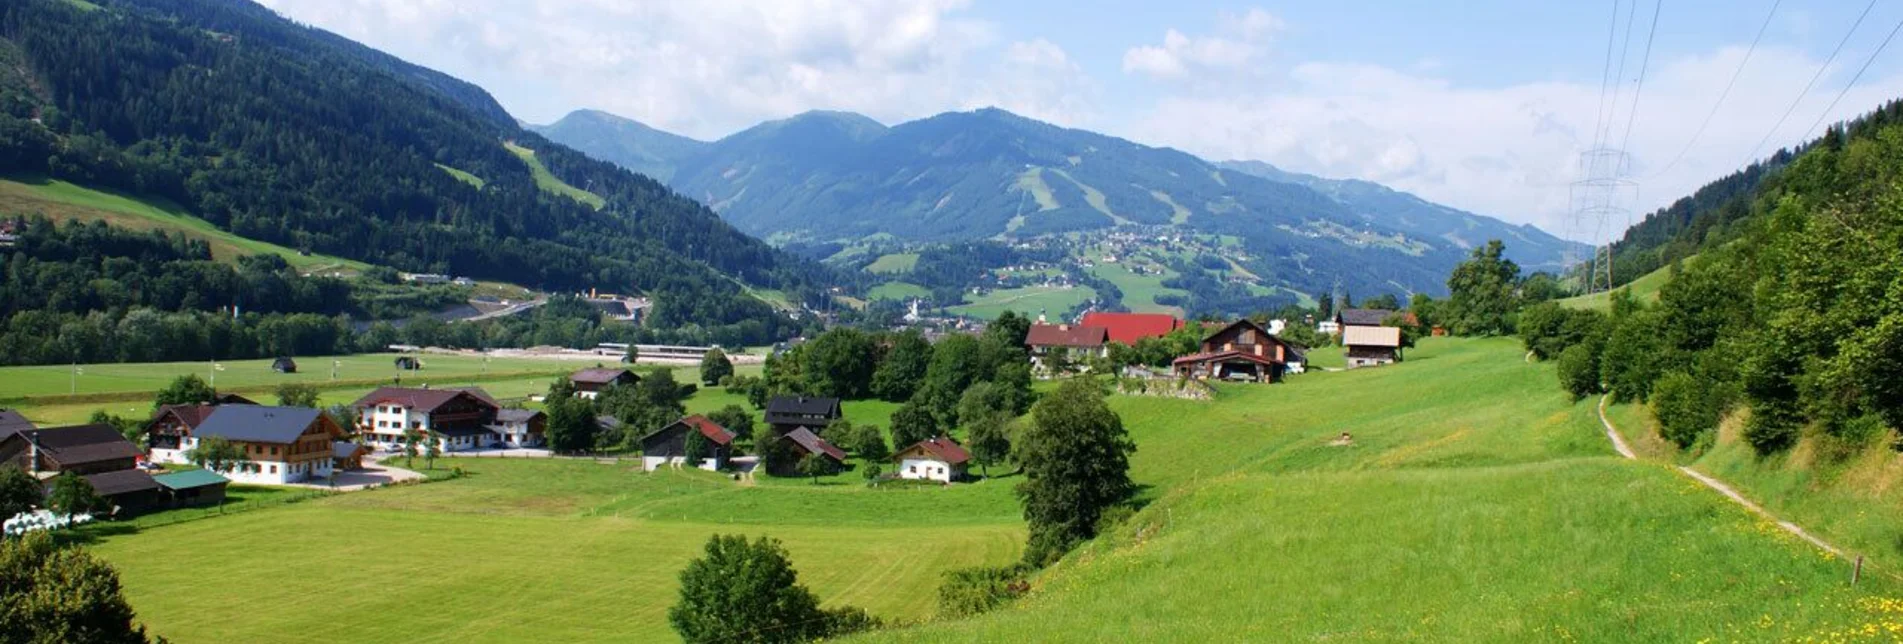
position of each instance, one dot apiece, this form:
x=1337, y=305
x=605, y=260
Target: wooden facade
x=1241, y=351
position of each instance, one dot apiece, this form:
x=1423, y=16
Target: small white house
x=935, y=459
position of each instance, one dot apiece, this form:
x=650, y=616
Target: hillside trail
x=1619, y=445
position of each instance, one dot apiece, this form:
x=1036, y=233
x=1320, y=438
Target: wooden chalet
x=97, y=453
x=589, y=383
x=1370, y=346
x=280, y=444
x=668, y=445
x=787, y=413
x=458, y=419
x=802, y=442
x=1241, y=351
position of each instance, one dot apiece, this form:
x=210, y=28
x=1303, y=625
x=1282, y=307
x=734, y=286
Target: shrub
x=1772, y=428
x=970, y=591
x=1579, y=371
x=1686, y=408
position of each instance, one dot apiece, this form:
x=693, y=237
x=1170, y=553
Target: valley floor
x=1476, y=503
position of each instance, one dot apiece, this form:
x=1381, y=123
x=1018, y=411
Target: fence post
x=1857, y=572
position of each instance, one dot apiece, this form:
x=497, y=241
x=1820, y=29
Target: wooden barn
x=668, y=445
x=1242, y=351
x=284, y=365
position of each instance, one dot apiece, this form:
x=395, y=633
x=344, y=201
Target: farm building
x=98, y=453
x=346, y=456
x=802, y=442
x=192, y=487
x=1346, y=318
x=408, y=363
x=1241, y=351
x=166, y=433
x=589, y=383
x=935, y=459
x=280, y=444
x=1128, y=328
x=1370, y=346
x=11, y=421
x=284, y=365
x=1074, y=342
x=457, y=419
x=519, y=427
x=668, y=445
x=787, y=413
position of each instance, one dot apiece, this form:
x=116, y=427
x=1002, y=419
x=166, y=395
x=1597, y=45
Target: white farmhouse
x=935, y=459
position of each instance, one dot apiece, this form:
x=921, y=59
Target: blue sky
x=1480, y=105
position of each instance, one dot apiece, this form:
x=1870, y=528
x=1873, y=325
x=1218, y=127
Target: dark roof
x=11, y=421
x=1066, y=335
x=943, y=448
x=477, y=392
x=1241, y=322
x=257, y=424
x=516, y=415
x=1128, y=328
x=232, y=399
x=1362, y=317
x=83, y=444
x=601, y=376
x=346, y=449
x=425, y=400
x=813, y=444
x=190, y=479
x=190, y=415
x=119, y=482
x=803, y=406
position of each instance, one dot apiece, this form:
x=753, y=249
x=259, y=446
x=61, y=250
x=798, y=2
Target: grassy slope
x=1478, y=504
x=1028, y=300
x=549, y=183
x=1139, y=291
x=464, y=176
x=893, y=263
x=60, y=200
x=535, y=550
x=897, y=291
x=1646, y=289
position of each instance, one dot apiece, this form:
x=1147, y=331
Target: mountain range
x=959, y=176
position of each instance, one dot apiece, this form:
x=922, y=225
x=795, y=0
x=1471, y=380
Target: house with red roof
x=1241, y=351
x=934, y=459
x=1128, y=328
x=800, y=443
x=667, y=446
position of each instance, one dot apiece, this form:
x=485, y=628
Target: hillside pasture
x=897, y=291
x=1029, y=300
x=550, y=183
x=1645, y=289
x=893, y=263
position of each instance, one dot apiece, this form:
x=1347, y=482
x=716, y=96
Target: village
x=187, y=454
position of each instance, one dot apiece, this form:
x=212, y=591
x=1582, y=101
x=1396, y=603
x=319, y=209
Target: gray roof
x=11, y=421
x=516, y=415
x=1363, y=317
x=803, y=405
x=344, y=449
x=73, y=446
x=119, y=482
x=258, y=424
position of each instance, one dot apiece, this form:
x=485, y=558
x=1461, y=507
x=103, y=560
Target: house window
x=274, y=469
x=274, y=450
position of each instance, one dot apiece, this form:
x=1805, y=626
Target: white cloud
x=1240, y=41
x=1512, y=151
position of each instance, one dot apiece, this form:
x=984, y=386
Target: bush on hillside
x=1687, y=407
x=970, y=591
x=1579, y=371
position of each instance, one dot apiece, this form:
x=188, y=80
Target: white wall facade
x=387, y=423
x=279, y=472
x=652, y=463
x=926, y=470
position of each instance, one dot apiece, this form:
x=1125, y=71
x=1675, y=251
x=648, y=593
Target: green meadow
x=1028, y=300
x=547, y=181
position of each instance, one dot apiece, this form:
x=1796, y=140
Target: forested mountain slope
x=295, y=136
x=962, y=176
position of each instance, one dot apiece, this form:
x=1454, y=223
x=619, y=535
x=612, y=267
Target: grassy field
x=1139, y=291
x=1645, y=288
x=60, y=201
x=464, y=176
x=538, y=550
x=551, y=184
x=1029, y=300
x=893, y=263
x=1477, y=503
x=897, y=291
x=251, y=375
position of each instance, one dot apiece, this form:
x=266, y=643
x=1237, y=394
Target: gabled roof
x=813, y=444
x=712, y=430
x=1128, y=328
x=1362, y=317
x=940, y=449
x=11, y=421
x=1219, y=330
x=478, y=392
x=232, y=399
x=424, y=400
x=346, y=449
x=803, y=406
x=257, y=424
x=190, y=479
x=191, y=416
x=1066, y=335
x=119, y=482
x=516, y=415
x=601, y=376
x=1219, y=356
x=1371, y=336
x=82, y=444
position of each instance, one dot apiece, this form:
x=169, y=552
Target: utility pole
x=1600, y=200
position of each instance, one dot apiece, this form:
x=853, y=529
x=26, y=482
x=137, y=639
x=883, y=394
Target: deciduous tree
x=71, y=494
x=53, y=594
x=19, y=492
x=1076, y=460
x=714, y=366
x=740, y=591
x=912, y=423
x=188, y=389
x=218, y=454
x=297, y=394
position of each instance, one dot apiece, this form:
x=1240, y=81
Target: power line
x=1618, y=86
x=1727, y=92
x=1599, y=118
x=1813, y=82
x=1854, y=79
x=1645, y=63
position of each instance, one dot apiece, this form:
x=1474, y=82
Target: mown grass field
x=62, y=201
x=897, y=291
x=1029, y=300
x=1645, y=289
x=1477, y=504
x=893, y=263
x=539, y=550
x=1139, y=291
